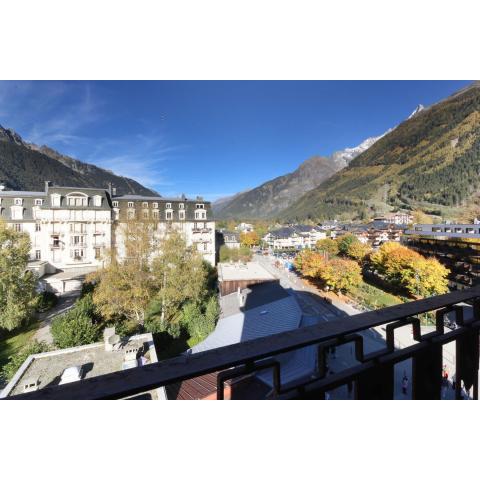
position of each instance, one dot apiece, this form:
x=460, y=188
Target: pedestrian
x=404, y=383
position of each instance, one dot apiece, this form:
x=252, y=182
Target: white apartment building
x=295, y=237
x=72, y=227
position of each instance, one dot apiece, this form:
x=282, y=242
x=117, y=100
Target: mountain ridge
x=271, y=197
x=26, y=166
x=429, y=162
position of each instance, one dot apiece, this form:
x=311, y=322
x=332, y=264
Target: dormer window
x=168, y=205
x=97, y=201
x=130, y=204
x=145, y=204
x=77, y=200
x=115, y=203
x=200, y=205
x=55, y=199
x=155, y=205
x=19, y=201
x=181, y=206
x=38, y=202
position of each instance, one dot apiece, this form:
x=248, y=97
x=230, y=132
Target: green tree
x=16, y=361
x=18, y=297
x=74, y=328
x=179, y=274
x=345, y=242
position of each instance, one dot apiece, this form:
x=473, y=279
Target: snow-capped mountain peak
x=417, y=110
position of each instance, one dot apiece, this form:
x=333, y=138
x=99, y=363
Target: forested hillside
x=429, y=162
x=24, y=166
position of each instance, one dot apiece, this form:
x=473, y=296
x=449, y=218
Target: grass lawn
x=14, y=341
x=373, y=297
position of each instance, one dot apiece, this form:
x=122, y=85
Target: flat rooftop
x=242, y=271
x=47, y=368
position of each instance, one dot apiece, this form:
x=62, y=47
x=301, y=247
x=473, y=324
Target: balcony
x=372, y=377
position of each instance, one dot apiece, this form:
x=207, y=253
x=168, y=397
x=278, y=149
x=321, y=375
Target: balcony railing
x=372, y=376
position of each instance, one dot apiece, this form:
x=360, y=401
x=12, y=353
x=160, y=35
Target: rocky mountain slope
x=25, y=166
x=429, y=162
x=267, y=200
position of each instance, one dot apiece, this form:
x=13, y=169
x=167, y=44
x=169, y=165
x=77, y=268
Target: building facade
x=72, y=227
x=294, y=237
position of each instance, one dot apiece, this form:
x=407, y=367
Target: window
x=98, y=252
x=38, y=201
x=145, y=204
x=200, y=205
x=55, y=199
x=77, y=254
x=155, y=205
x=131, y=214
x=168, y=215
x=181, y=206
x=97, y=201
x=17, y=227
x=155, y=215
x=37, y=227
x=115, y=203
x=130, y=204
x=145, y=214
x=19, y=201
x=77, y=201
x=55, y=241
x=168, y=205
x=38, y=255
x=17, y=212
x=181, y=214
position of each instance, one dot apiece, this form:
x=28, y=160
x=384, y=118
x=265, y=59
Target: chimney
x=242, y=297
x=110, y=339
x=109, y=188
x=47, y=184
x=114, y=191
x=2, y=187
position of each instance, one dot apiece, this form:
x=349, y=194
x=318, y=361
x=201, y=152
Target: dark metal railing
x=372, y=376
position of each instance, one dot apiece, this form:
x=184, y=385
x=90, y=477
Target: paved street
x=374, y=339
x=65, y=302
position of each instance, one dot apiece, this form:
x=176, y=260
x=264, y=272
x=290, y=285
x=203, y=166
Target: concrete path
x=65, y=302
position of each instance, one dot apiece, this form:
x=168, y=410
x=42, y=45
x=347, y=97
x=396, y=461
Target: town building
x=252, y=312
x=244, y=227
x=73, y=227
x=58, y=367
x=234, y=276
x=230, y=239
x=396, y=218
x=295, y=237
x=455, y=245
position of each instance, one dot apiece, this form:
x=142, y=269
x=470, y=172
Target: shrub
x=46, y=301
x=16, y=361
x=74, y=328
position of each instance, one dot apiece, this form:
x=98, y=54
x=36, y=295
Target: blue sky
x=208, y=138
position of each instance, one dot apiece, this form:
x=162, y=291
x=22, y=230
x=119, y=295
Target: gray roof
x=20, y=193
x=294, y=365
x=277, y=316
x=257, y=295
